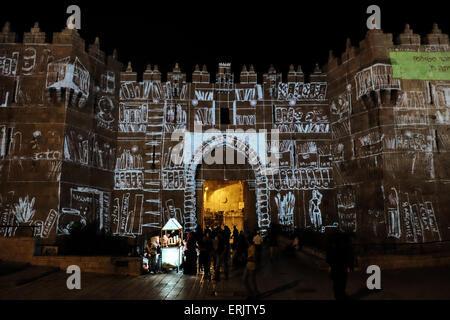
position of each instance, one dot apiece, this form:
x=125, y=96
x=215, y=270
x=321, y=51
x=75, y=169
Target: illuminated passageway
x=223, y=204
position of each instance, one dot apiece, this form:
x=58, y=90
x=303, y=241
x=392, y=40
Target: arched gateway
x=261, y=187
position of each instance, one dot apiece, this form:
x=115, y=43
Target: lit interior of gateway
x=223, y=204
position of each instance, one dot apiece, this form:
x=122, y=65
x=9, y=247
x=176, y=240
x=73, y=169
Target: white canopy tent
x=172, y=224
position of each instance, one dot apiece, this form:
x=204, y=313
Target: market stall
x=171, y=245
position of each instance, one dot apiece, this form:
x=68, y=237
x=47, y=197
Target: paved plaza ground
x=286, y=279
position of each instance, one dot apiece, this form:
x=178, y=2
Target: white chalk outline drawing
x=29, y=61
x=108, y=82
x=149, y=90
x=315, y=214
x=129, y=171
x=204, y=94
x=414, y=219
x=128, y=223
x=247, y=94
x=105, y=115
x=303, y=166
x=170, y=211
x=133, y=117
x=341, y=108
x=376, y=77
x=286, y=207
x=174, y=117
x=346, y=205
x=410, y=140
x=11, y=148
x=173, y=179
x=296, y=120
x=205, y=116
x=299, y=91
x=8, y=66
x=86, y=205
x=23, y=213
x=89, y=149
x=69, y=75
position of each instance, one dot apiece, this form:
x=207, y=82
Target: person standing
x=148, y=246
x=242, y=249
x=234, y=247
x=273, y=243
x=340, y=259
x=215, y=246
x=158, y=268
x=258, y=241
x=235, y=238
x=153, y=256
x=250, y=271
x=191, y=255
x=226, y=253
x=204, y=256
x=219, y=253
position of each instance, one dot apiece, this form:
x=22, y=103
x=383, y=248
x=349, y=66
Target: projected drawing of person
x=314, y=208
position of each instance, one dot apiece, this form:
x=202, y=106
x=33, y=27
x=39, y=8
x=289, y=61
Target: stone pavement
x=286, y=279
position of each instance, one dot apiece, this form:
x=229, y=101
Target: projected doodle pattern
x=376, y=77
x=286, y=205
x=295, y=119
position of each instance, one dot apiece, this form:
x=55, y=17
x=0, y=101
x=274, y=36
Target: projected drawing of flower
x=23, y=211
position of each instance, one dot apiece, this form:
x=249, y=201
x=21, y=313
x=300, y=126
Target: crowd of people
x=152, y=257
x=211, y=252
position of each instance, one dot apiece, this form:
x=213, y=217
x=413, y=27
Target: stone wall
x=21, y=249
x=390, y=141
x=18, y=249
x=58, y=125
x=81, y=141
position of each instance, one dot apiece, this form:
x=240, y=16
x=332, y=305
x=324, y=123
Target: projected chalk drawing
x=376, y=77
x=129, y=173
x=286, y=205
x=315, y=213
x=70, y=75
x=23, y=212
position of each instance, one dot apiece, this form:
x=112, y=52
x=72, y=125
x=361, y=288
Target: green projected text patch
x=421, y=65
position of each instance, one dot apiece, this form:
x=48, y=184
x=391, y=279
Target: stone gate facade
x=83, y=140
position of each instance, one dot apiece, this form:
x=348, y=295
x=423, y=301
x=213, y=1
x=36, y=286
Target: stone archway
x=261, y=186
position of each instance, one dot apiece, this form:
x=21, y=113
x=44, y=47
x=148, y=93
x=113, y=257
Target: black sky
x=240, y=32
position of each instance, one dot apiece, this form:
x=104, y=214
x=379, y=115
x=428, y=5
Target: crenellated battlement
x=63, y=38
x=376, y=45
x=373, y=48
x=223, y=76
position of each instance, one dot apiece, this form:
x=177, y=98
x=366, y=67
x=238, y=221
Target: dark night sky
x=250, y=32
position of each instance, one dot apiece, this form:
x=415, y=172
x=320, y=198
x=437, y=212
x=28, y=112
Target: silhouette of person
x=250, y=271
x=340, y=259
